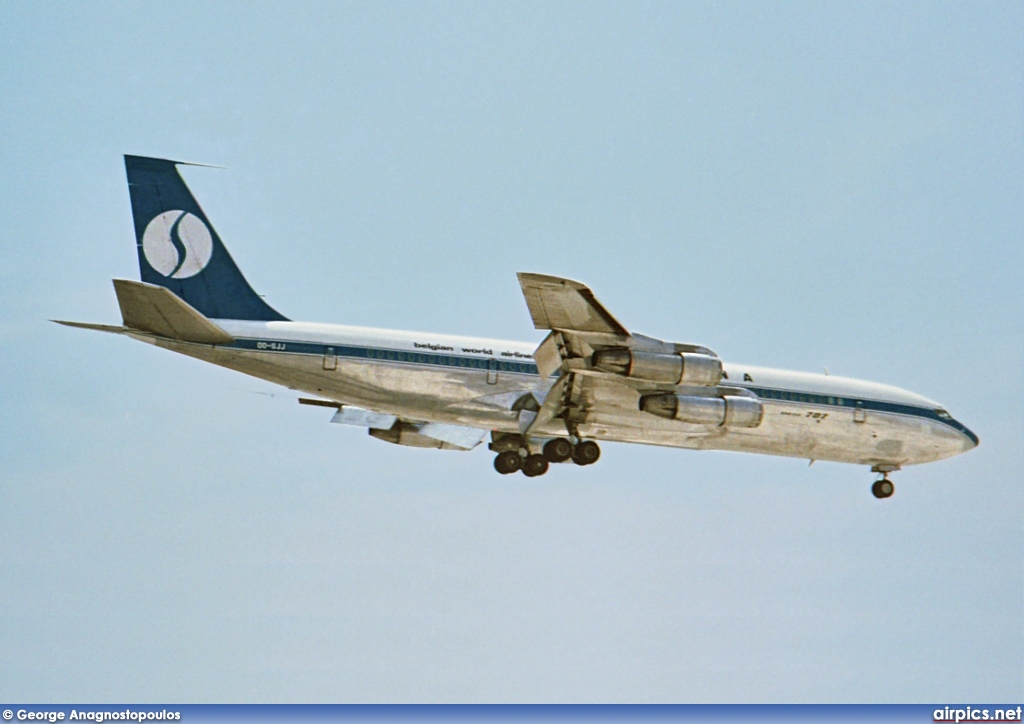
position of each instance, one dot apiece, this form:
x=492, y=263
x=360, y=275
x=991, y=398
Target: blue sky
x=794, y=185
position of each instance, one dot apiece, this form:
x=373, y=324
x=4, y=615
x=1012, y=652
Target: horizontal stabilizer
x=156, y=309
x=113, y=329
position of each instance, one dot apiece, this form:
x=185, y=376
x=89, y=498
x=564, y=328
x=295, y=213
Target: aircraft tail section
x=179, y=248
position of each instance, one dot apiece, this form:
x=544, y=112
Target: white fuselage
x=475, y=382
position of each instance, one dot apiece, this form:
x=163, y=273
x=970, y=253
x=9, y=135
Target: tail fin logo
x=177, y=244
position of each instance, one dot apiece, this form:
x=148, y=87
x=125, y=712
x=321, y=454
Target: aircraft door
x=858, y=412
x=330, y=358
x=492, y=371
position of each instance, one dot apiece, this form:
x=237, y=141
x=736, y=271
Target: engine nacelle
x=683, y=368
x=728, y=411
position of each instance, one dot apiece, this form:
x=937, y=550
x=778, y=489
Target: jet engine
x=683, y=368
x=728, y=411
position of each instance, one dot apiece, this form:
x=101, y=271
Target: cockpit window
x=943, y=414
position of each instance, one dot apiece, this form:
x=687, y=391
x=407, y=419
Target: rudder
x=179, y=248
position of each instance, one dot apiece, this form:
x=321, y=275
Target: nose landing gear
x=883, y=487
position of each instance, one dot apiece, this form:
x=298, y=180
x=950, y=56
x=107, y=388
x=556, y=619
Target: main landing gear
x=883, y=487
x=514, y=456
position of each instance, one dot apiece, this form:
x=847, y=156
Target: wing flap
x=553, y=406
x=548, y=355
x=464, y=438
x=348, y=415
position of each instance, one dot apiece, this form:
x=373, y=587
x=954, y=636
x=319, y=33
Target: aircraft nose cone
x=970, y=440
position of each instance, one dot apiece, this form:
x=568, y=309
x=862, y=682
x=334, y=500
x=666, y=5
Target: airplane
x=590, y=380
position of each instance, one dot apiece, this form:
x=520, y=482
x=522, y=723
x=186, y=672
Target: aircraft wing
x=563, y=304
x=390, y=428
x=580, y=326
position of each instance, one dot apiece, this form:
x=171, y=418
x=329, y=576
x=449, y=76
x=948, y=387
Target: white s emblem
x=177, y=244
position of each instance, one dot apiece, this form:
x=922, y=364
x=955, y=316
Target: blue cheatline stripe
x=461, y=361
x=451, y=359
x=770, y=393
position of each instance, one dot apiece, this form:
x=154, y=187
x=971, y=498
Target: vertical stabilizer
x=179, y=248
